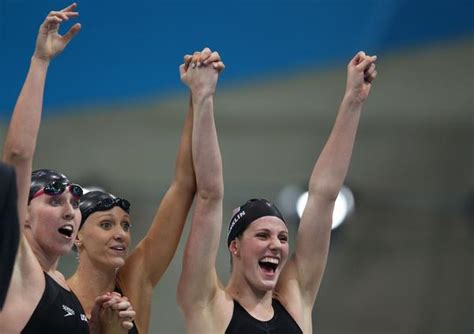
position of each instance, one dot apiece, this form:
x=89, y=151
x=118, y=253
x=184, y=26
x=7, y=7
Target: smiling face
x=105, y=237
x=52, y=223
x=261, y=252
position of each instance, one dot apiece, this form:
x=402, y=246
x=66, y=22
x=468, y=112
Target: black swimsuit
x=281, y=323
x=58, y=311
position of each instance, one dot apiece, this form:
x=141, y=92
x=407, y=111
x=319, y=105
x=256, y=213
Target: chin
x=266, y=285
x=117, y=263
x=61, y=251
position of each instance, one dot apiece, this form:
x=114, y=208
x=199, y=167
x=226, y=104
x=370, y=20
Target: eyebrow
x=107, y=214
x=264, y=229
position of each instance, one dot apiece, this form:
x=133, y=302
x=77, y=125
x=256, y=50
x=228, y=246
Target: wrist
x=353, y=99
x=40, y=61
x=200, y=96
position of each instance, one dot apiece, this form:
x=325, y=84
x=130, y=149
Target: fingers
x=213, y=57
x=64, y=16
x=130, y=314
x=195, y=59
x=70, y=8
x=102, y=299
x=358, y=58
x=113, y=299
x=204, y=55
x=182, y=69
x=219, y=66
x=370, y=77
x=187, y=60
x=127, y=324
x=123, y=305
x=50, y=20
x=366, y=62
x=72, y=32
x=55, y=18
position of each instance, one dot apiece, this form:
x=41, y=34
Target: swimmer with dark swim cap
x=104, y=237
x=48, y=211
x=269, y=290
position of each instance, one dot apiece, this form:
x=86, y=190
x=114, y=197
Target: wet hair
x=246, y=214
x=98, y=200
x=42, y=177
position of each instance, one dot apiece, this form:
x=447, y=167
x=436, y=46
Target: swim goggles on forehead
x=106, y=204
x=56, y=188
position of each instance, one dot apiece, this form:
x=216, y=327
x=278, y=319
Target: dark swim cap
x=42, y=177
x=97, y=200
x=244, y=215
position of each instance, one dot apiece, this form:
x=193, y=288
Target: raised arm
x=198, y=282
x=154, y=253
x=28, y=280
x=309, y=260
x=20, y=142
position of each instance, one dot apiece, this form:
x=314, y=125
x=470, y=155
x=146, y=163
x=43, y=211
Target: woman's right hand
x=49, y=42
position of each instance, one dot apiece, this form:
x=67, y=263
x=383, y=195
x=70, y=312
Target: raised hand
x=201, y=70
x=360, y=74
x=49, y=42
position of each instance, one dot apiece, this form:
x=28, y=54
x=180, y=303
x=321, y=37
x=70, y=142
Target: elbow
x=211, y=192
x=16, y=154
x=325, y=192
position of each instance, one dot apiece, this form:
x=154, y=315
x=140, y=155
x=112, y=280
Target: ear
x=234, y=247
x=27, y=217
x=78, y=241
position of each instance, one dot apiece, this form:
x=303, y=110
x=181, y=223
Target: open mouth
x=66, y=230
x=269, y=264
x=119, y=248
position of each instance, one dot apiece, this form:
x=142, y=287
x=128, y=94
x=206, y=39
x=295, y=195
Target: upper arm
x=155, y=251
x=198, y=283
x=303, y=273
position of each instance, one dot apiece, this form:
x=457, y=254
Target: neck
x=90, y=281
x=48, y=262
x=257, y=302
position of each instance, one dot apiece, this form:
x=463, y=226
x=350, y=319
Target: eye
x=106, y=225
x=55, y=201
x=126, y=226
x=262, y=235
x=283, y=238
x=75, y=203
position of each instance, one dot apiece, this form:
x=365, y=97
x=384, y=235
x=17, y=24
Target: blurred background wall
x=114, y=109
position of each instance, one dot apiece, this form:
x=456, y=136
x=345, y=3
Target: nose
x=69, y=211
x=275, y=243
x=119, y=233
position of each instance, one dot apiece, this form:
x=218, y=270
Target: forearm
x=23, y=130
x=24, y=126
x=166, y=229
x=331, y=168
x=185, y=179
x=205, y=150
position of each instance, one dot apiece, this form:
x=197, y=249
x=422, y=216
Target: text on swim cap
x=236, y=219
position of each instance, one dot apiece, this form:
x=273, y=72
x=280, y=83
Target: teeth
x=66, y=230
x=270, y=260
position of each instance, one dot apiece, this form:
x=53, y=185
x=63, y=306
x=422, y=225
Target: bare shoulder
x=25, y=291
